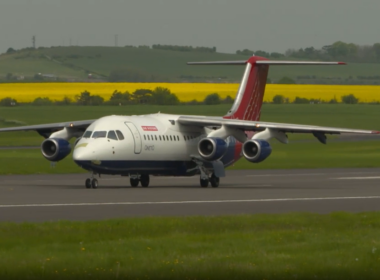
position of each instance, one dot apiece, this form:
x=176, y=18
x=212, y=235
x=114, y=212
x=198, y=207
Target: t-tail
x=249, y=98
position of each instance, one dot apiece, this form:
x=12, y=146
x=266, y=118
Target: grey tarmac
x=63, y=197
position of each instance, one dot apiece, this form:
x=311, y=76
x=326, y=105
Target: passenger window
x=148, y=137
x=177, y=137
x=87, y=134
x=120, y=135
x=155, y=137
x=184, y=137
x=99, y=134
x=144, y=137
x=171, y=138
x=167, y=137
x=163, y=137
x=160, y=137
x=112, y=135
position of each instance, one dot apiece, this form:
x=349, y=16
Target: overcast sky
x=270, y=25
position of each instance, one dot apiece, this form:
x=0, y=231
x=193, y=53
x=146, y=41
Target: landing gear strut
x=213, y=180
x=143, y=179
x=91, y=182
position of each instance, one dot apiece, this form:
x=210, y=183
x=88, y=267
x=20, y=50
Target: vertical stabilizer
x=248, y=101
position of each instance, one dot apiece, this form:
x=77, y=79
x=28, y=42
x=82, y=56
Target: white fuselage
x=154, y=144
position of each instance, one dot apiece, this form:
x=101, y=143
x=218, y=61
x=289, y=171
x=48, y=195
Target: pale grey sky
x=270, y=25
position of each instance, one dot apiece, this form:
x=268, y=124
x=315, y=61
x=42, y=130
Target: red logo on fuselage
x=149, y=128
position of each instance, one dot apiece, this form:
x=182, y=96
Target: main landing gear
x=205, y=180
x=91, y=182
x=142, y=179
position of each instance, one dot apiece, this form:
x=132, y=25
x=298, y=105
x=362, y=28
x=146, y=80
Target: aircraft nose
x=82, y=153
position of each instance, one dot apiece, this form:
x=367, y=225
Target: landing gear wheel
x=204, y=183
x=134, y=182
x=214, y=181
x=144, y=179
x=88, y=183
x=94, y=183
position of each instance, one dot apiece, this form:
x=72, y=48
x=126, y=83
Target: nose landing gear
x=91, y=182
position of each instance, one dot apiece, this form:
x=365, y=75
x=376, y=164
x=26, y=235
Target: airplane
x=159, y=144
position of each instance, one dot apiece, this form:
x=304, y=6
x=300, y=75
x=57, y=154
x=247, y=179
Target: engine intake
x=55, y=149
x=212, y=148
x=256, y=150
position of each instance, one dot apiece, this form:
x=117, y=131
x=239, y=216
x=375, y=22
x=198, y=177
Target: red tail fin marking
x=249, y=99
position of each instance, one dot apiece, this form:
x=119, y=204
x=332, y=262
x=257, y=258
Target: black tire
x=204, y=183
x=134, y=182
x=94, y=183
x=144, y=180
x=88, y=183
x=214, y=181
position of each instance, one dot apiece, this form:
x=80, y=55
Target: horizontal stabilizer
x=267, y=62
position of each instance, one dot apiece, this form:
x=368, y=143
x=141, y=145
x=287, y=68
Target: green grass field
x=286, y=246
x=166, y=65
x=298, y=154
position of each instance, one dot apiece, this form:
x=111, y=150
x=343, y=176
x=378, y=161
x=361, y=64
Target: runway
x=63, y=197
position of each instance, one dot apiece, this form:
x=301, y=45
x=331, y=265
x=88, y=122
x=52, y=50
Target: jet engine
x=256, y=150
x=212, y=148
x=55, y=149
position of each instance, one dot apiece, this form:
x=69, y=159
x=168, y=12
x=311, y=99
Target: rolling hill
x=75, y=63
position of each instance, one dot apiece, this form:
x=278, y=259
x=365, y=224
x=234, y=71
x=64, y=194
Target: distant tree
x=212, y=99
x=142, y=96
x=279, y=99
x=286, y=80
x=228, y=100
x=84, y=98
x=333, y=101
x=119, y=98
x=262, y=53
x=96, y=100
x=65, y=101
x=42, y=101
x=8, y=102
x=276, y=55
x=10, y=50
x=163, y=96
x=9, y=76
x=301, y=100
x=376, y=48
x=350, y=99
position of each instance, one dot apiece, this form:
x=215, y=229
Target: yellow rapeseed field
x=26, y=92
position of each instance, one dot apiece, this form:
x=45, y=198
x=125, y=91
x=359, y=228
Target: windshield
x=87, y=134
x=99, y=134
x=112, y=135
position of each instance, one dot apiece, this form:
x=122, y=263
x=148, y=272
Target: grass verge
x=293, y=155
x=286, y=246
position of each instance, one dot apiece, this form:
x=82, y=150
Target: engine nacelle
x=55, y=149
x=256, y=150
x=212, y=148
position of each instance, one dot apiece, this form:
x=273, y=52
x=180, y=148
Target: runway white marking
x=189, y=202
x=357, y=178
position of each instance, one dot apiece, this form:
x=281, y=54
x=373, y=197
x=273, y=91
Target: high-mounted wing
x=46, y=129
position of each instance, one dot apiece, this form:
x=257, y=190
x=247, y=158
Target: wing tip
x=342, y=63
x=375, y=132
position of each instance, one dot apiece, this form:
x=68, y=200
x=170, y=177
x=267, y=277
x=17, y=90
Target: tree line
x=337, y=51
x=158, y=96
x=346, y=99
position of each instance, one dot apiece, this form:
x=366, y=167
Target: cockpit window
x=99, y=134
x=87, y=134
x=112, y=135
x=120, y=135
